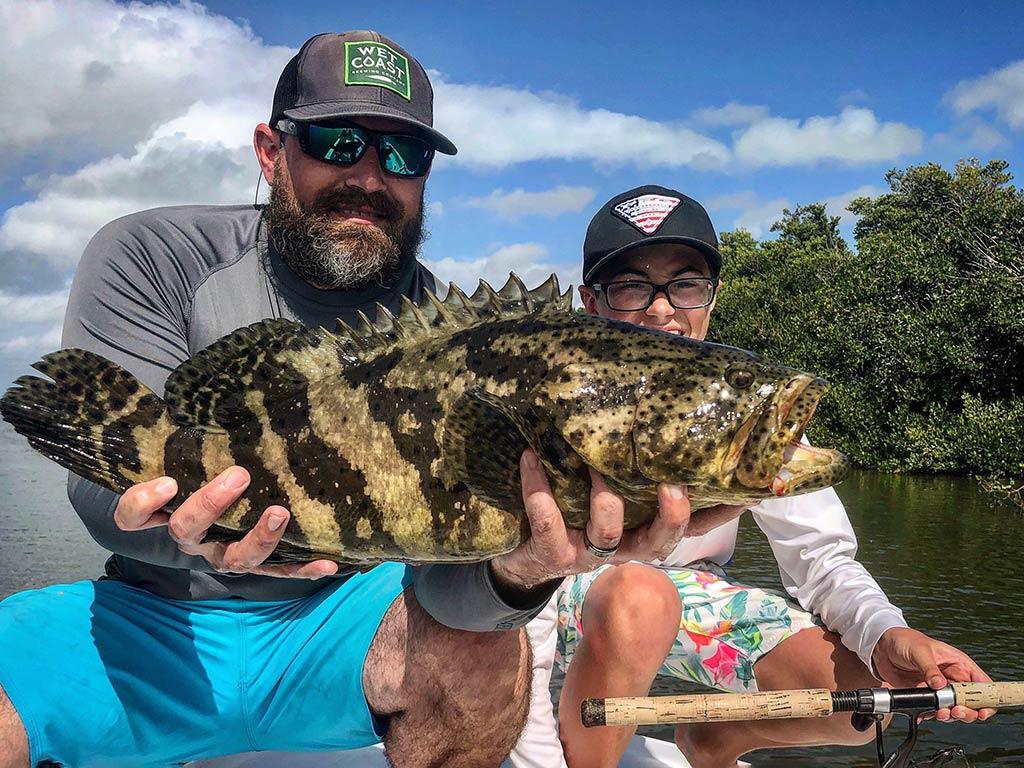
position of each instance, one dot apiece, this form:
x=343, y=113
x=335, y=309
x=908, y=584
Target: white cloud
x=43, y=308
x=986, y=138
x=530, y=262
x=732, y=113
x=755, y=215
x=171, y=168
x=226, y=122
x=836, y=205
x=156, y=105
x=854, y=137
x=1001, y=90
x=30, y=328
x=36, y=344
x=115, y=72
x=549, y=203
x=495, y=127
x=971, y=135
x=851, y=98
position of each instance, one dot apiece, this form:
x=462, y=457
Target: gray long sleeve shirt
x=154, y=288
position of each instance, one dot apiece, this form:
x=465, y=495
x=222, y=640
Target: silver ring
x=597, y=551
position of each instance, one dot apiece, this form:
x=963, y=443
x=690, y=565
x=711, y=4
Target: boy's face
x=656, y=264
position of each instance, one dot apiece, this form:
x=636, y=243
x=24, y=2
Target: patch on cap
x=646, y=212
x=370, y=63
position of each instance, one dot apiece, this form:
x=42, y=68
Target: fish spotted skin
x=400, y=440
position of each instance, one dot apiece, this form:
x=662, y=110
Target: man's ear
x=589, y=298
x=267, y=143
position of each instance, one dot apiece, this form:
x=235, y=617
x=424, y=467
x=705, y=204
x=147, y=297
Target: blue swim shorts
x=104, y=674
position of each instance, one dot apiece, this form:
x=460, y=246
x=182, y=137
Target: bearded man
x=190, y=649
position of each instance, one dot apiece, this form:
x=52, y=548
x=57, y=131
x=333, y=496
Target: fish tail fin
x=87, y=418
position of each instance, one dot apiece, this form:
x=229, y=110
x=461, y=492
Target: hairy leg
x=452, y=698
x=813, y=658
x=630, y=618
x=13, y=739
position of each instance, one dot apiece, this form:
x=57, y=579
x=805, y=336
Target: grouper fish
x=399, y=439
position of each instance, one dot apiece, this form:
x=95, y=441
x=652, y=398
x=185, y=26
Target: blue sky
x=555, y=107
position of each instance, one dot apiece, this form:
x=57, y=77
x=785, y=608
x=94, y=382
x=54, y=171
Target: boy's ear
x=589, y=298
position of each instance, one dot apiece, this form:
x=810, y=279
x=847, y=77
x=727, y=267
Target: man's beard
x=341, y=255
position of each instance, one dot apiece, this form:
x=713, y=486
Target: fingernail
x=164, y=485
x=275, y=520
x=676, y=492
x=532, y=459
x=233, y=479
x=936, y=682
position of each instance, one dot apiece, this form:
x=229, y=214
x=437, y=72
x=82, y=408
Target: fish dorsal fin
x=277, y=358
x=432, y=317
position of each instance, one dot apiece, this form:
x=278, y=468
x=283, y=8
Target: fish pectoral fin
x=485, y=436
x=483, y=440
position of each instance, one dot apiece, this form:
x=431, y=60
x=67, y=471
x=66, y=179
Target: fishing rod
x=867, y=705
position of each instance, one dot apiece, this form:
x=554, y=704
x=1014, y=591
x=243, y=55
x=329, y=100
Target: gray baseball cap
x=357, y=74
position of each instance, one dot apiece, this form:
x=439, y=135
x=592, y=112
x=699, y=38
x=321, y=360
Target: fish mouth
x=768, y=451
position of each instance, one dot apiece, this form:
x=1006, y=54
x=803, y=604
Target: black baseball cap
x=647, y=216
x=357, y=74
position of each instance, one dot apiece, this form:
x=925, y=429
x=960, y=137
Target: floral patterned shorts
x=726, y=627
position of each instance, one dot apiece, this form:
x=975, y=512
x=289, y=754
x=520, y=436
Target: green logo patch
x=372, y=63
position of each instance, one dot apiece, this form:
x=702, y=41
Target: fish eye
x=739, y=378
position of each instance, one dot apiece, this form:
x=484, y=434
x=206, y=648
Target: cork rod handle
x=978, y=695
x=654, y=710
x=770, y=705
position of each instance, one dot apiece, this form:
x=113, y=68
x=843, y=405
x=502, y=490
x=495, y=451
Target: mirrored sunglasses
x=344, y=143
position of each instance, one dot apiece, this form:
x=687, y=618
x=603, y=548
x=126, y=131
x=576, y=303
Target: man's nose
x=366, y=174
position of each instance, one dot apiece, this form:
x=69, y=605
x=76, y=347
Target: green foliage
x=1006, y=489
x=920, y=329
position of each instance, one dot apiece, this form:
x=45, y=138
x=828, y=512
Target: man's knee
x=457, y=692
x=471, y=704
x=493, y=673
x=13, y=739
x=632, y=605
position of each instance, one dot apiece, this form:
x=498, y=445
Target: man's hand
x=553, y=552
x=141, y=507
x=906, y=658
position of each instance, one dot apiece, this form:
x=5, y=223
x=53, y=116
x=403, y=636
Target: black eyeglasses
x=345, y=143
x=638, y=295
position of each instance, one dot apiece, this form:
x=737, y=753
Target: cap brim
x=347, y=109
x=711, y=254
